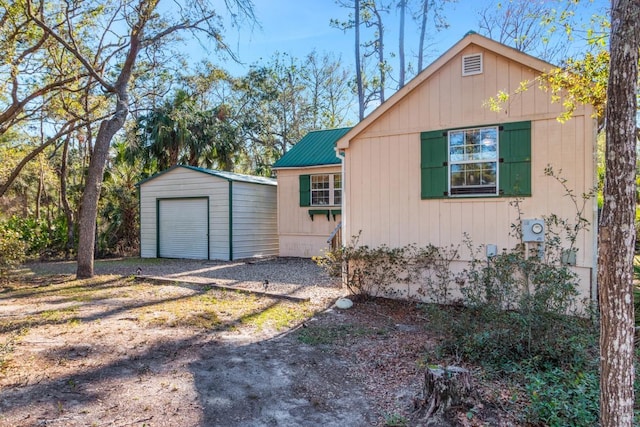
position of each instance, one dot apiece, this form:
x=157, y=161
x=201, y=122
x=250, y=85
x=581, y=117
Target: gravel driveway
x=297, y=277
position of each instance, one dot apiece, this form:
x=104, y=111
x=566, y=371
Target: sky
x=298, y=27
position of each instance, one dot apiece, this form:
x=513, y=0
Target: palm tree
x=178, y=132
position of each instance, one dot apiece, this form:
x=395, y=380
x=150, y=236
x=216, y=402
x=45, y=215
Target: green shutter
x=433, y=164
x=515, y=159
x=305, y=190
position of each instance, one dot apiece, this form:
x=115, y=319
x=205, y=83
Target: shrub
x=379, y=271
x=563, y=397
x=12, y=249
x=41, y=238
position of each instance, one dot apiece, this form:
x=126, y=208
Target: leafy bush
x=499, y=340
x=563, y=397
x=41, y=238
x=558, y=372
x=378, y=271
x=12, y=248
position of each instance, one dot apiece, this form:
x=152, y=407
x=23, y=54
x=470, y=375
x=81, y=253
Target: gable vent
x=472, y=64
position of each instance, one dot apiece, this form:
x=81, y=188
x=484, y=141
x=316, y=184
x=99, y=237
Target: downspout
x=343, y=205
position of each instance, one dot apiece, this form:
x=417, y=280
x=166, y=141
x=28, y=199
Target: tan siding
x=298, y=234
x=383, y=163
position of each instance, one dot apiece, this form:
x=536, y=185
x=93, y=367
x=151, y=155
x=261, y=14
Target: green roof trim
x=315, y=149
x=229, y=176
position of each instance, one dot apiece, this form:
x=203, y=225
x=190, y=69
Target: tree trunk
x=444, y=388
x=359, y=83
x=93, y=185
x=40, y=189
x=403, y=8
x=64, y=199
x=382, y=66
x=108, y=128
x=617, y=229
x=423, y=33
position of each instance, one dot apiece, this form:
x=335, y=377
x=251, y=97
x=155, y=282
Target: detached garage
x=189, y=212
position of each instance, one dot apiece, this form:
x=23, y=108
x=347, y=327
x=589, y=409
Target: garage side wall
x=185, y=183
x=255, y=220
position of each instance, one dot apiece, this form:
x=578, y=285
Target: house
x=190, y=212
x=309, y=194
x=432, y=164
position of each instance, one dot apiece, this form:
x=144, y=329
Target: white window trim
x=450, y=163
x=332, y=189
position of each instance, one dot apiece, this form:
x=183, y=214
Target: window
x=337, y=189
x=477, y=161
x=473, y=161
x=320, y=190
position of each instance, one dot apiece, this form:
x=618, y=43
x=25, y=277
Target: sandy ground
x=106, y=367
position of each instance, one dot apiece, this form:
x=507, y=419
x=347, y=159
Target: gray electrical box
x=491, y=250
x=533, y=230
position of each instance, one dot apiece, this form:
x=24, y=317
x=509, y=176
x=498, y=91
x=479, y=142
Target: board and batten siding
x=383, y=164
x=255, y=229
x=299, y=235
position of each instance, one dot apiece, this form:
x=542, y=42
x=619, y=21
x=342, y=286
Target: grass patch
x=221, y=309
x=318, y=335
x=192, y=312
x=60, y=316
x=279, y=316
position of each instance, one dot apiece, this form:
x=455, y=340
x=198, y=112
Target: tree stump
x=445, y=387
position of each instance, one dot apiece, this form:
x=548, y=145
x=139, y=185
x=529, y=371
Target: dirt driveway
x=113, y=351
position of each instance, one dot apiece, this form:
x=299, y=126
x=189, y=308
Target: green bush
x=563, y=397
x=12, y=248
x=500, y=340
x=41, y=238
x=380, y=271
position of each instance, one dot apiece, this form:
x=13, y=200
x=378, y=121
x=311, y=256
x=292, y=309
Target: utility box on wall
x=532, y=230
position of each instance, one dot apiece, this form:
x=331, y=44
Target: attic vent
x=472, y=64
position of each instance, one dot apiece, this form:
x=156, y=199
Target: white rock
x=344, y=303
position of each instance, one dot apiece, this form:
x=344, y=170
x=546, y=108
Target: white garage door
x=183, y=228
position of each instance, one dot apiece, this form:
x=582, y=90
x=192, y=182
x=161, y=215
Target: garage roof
x=315, y=149
x=229, y=176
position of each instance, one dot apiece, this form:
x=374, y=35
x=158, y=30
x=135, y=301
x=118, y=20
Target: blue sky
x=297, y=27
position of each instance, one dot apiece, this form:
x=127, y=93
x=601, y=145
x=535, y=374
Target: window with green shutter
x=480, y=161
x=321, y=190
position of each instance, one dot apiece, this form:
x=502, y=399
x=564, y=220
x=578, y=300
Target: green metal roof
x=229, y=176
x=315, y=149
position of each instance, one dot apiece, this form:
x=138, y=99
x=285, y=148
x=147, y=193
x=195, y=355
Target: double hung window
x=321, y=190
x=473, y=161
x=480, y=161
